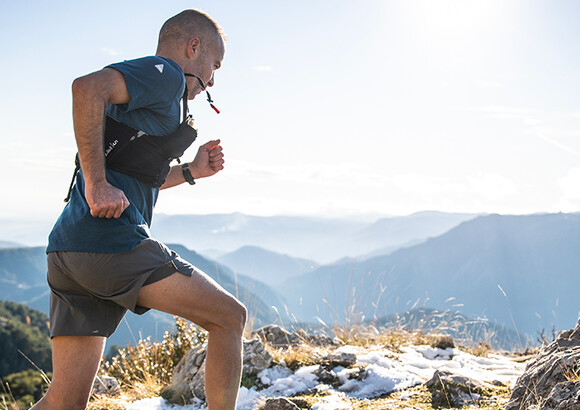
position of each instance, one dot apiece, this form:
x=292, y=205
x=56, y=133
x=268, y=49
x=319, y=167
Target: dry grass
x=295, y=357
x=148, y=360
x=146, y=368
x=142, y=389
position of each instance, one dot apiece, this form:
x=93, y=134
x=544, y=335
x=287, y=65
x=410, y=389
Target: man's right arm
x=91, y=94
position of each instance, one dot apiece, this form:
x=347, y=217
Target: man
x=101, y=259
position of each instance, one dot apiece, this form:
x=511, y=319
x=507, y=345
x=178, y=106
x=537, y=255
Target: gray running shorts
x=90, y=292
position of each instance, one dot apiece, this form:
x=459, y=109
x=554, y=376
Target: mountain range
x=518, y=272
x=323, y=240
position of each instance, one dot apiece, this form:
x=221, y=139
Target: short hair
x=188, y=23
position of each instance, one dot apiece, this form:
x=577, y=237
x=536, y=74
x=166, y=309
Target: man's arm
x=208, y=161
x=91, y=94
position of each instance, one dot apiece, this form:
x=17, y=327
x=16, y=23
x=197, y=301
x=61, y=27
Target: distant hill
x=534, y=259
x=405, y=231
x=23, y=277
x=23, y=330
x=9, y=244
x=266, y=266
x=23, y=280
x=31, y=231
x=324, y=240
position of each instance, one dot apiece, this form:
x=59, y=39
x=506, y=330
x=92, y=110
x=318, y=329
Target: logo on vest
x=159, y=67
x=111, y=146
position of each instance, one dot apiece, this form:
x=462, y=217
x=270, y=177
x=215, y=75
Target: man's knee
x=233, y=315
x=237, y=316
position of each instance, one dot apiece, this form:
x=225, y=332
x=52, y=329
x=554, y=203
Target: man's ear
x=193, y=47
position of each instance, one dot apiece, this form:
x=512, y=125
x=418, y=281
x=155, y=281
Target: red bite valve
x=214, y=108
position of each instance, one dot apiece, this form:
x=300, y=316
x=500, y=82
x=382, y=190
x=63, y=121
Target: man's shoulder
x=153, y=65
x=150, y=81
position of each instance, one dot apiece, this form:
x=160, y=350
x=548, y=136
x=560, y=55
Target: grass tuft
x=151, y=363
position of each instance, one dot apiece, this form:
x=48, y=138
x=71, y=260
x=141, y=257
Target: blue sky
x=328, y=107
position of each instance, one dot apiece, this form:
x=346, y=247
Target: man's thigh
x=197, y=298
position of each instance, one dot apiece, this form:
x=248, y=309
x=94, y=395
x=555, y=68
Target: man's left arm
x=208, y=161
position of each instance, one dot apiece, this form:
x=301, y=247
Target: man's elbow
x=83, y=85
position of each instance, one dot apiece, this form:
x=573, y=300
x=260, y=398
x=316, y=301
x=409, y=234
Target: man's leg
x=201, y=300
x=75, y=361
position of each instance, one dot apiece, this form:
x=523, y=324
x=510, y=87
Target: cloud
x=262, y=68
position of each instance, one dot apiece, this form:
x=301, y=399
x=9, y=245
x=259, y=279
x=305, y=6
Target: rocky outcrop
x=448, y=389
x=552, y=379
x=279, y=337
x=189, y=374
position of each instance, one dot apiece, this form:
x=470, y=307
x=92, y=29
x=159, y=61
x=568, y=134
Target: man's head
x=196, y=42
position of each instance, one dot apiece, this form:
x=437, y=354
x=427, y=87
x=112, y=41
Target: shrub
x=154, y=360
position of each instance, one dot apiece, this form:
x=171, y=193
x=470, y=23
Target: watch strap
x=187, y=174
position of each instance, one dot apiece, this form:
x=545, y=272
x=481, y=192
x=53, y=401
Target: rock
x=450, y=389
x=188, y=377
x=546, y=381
x=256, y=358
x=280, y=403
x=189, y=374
x=279, y=337
x=106, y=385
x=326, y=377
x=342, y=359
x=564, y=396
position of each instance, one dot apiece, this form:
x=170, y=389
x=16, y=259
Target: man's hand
x=105, y=200
x=208, y=161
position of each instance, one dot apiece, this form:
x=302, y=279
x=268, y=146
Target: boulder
x=564, y=396
x=256, y=358
x=551, y=379
x=189, y=374
x=450, y=389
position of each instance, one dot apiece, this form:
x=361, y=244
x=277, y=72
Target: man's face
x=209, y=60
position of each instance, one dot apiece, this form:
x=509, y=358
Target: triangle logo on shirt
x=159, y=67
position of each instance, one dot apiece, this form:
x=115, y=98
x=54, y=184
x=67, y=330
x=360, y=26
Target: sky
x=327, y=107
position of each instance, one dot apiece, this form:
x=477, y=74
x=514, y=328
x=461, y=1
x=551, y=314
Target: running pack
x=146, y=157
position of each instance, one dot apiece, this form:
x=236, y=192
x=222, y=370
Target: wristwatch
x=187, y=174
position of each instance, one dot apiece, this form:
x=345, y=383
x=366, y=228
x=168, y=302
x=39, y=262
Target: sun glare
x=453, y=23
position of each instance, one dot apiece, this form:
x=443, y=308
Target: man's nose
x=210, y=82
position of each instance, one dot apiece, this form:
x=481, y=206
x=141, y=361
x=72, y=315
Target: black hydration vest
x=145, y=157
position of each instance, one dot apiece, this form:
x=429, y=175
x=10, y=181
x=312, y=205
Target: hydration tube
x=204, y=88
